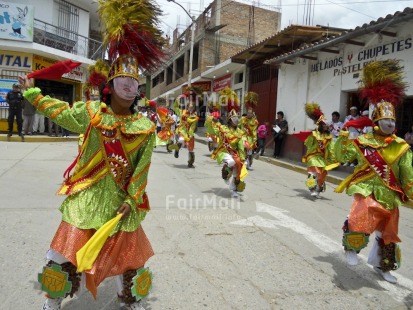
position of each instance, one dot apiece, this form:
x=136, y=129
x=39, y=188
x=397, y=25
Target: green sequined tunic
x=102, y=179
x=365, y=180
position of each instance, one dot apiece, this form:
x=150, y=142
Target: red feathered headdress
x=360, y=123
x=382, y=85
x=314, y=112
x=132, y=35
x=382, y=81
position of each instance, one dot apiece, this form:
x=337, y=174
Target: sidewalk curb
x=27, y=138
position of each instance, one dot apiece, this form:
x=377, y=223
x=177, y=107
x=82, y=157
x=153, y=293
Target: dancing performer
x=249, y=124
x=383, y=178
x=166, y=135
x=212, y=138
x=319, y=156
x=230, y=151
x=188, y=124
x=100, y=234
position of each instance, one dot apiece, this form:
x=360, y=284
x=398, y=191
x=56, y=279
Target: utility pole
x=191, y=50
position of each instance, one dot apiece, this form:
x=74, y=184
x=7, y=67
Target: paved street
x=274, y=248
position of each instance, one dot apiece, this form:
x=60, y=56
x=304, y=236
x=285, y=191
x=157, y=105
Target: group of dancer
x=231, y=142
x=383, y=178
x=100, y=234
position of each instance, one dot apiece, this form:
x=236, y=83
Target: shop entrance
x=61, y=91
x=404, y=112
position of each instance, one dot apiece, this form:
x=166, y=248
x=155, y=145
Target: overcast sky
x=341, y=14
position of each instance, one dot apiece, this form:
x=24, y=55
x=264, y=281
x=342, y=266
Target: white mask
x=387, y=125
x=126, y=87
x=234, y=121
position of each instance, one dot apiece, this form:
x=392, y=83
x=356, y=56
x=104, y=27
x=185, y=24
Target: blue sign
x=5, y=87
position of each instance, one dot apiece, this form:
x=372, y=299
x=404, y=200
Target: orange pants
x=121, y=252
x=321, y=174
x=367, y=215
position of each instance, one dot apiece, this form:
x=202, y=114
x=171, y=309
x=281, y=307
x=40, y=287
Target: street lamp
x=191, y=50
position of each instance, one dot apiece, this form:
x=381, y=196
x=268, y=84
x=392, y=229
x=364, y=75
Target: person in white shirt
x=354, y=114
x=335, y=125
x=366, y=129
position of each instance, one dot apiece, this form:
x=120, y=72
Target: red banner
x=222, y=82
x=204, y=85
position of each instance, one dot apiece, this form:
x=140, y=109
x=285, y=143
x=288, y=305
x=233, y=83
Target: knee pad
x=311, y=181
x=59, y=280
x=390, y=256
x=136, y=285
x=355, y=241
x=226, y=172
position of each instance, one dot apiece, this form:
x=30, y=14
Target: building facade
x=262, y=78
x=328, y=72
x=38, y=33
x=224, y=28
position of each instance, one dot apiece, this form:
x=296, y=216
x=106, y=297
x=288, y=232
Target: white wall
x=292, y=94
x=327, y=80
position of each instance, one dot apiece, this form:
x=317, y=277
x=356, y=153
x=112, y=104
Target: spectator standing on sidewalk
x=14, y=99
x=28, y=117
x=280, y=129
x=38, y=123
x=335, y=125
x=52, y=126
x=263, y=132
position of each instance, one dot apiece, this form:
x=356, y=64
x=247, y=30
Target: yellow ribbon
x=244, y=172
x=86, y=256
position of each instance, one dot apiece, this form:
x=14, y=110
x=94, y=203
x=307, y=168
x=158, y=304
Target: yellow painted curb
x=16, y=138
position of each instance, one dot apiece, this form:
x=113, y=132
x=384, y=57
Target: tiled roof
x=291, y=37
x=378, y=25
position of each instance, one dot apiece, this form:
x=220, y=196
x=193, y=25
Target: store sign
x=204, y=86
x=222, y=82
x=355, y=62
x=15, y=60
x=5, y=87
x=16, y=21
x=76, y=74
x=41, y=62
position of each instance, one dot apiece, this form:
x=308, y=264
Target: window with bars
x=68, y=20
x=11, y=74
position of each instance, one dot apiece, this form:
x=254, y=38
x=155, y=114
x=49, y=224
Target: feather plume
x=98, y=73
x=229, y=99
x=162, y=113
x=382, y=80
x=131, y=27
x=313, y=111
x=251, y=100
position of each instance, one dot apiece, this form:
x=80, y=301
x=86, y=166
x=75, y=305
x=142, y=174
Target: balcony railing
x=62, y=39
